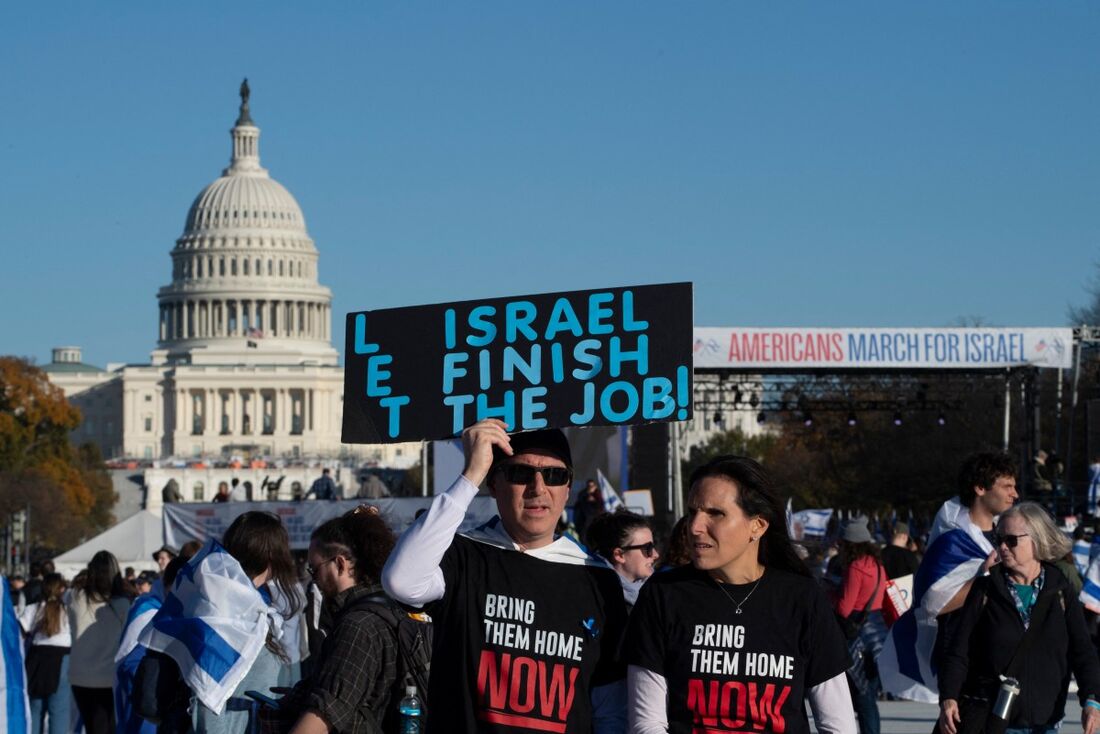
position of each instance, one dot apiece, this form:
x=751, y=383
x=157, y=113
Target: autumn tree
x=67, y=489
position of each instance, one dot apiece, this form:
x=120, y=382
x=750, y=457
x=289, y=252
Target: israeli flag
x=15, y=713
x=213, y=624
x=142, y=611
x=129, y=657
x=956, y=551
x=1090, y=592
x=611, y=499
x=812, y=522
x=1081, y=555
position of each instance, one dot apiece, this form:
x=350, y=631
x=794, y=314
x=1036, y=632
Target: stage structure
x=911, y=373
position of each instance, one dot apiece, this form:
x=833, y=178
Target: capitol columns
x=280, y=412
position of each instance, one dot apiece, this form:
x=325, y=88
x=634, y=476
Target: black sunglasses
x=647, y=549
x=552, y=476
x=1010, y=540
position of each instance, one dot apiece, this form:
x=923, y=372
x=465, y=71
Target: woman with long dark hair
x=741, y=637
x=97, y=613
x=859, y=606
x=260, y=543
x=46, y=624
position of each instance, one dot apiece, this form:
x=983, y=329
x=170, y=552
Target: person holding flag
x=589, y=505
x=960, y=548
x=217, y=634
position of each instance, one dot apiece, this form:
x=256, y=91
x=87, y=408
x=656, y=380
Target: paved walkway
x=906, y=717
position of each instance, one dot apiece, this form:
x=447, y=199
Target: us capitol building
x=244, y=364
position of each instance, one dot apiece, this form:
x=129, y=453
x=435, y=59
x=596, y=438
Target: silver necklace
x=737, y=606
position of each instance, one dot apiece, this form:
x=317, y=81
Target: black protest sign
x=580, y=358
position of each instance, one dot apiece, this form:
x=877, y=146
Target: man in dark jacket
x=323, y=488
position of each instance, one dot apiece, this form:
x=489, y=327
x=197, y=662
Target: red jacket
x=859, y=584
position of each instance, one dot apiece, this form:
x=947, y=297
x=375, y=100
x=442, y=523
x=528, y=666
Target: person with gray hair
x=1021, y=629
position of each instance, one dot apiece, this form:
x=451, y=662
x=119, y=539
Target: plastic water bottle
x=410, y=711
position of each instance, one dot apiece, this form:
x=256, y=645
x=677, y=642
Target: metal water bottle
x=1006, y=698
x=410, y=709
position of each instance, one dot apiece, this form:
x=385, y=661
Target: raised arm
x=412, y=574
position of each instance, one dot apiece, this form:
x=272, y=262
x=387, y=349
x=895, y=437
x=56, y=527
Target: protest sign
x=581, y=358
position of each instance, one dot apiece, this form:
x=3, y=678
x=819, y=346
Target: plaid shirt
x=350, y=687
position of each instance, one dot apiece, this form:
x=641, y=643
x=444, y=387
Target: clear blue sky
x=833, y=164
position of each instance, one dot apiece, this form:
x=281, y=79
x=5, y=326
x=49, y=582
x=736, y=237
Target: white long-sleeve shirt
x=647, y=701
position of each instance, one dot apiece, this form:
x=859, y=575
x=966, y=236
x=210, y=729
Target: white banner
x=184, y=521
x=922, y=348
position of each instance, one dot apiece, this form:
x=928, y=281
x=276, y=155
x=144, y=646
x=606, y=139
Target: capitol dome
x=236, y=201
x=244, y=271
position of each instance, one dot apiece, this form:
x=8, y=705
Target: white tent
x=132, y=541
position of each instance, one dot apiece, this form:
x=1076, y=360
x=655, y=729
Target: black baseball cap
x=550, y=440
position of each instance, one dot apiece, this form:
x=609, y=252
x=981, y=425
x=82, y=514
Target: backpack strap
x=389, y=611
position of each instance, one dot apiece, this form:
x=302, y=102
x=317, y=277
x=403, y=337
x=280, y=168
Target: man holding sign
x=527, y=625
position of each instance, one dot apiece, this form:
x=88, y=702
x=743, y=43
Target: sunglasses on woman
x=552, y=476
x=1010, y=540
x=647, y=549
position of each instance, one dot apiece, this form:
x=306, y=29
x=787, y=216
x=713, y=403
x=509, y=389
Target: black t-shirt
x=899, y=561
x=519, y=642
x=736, y=672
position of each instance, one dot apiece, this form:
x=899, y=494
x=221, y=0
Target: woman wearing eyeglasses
x=1022, y=621
x=625, y=541
x=742, y=637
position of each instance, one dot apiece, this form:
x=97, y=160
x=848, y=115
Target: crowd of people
x=531, y=623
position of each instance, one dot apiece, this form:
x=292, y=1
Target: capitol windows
x=269, y=269
x=281, y=273
x=198, y=492
x=259, y=269
x=244, y=265
x=221, y=266
x=148, y=424
x=148, y=452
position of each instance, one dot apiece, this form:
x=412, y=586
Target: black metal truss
x=849, y=391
